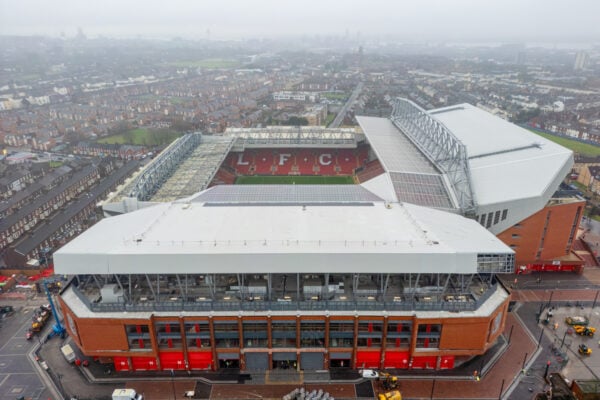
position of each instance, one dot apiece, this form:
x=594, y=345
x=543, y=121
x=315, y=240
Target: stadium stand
x=371, y=170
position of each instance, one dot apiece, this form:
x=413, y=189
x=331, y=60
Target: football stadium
x=315, y=249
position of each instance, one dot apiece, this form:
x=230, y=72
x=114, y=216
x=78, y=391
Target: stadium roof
x=510, y=168
x=197, y=237
x=286, y=194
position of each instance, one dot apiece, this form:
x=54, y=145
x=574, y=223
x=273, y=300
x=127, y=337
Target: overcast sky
x=417, y=20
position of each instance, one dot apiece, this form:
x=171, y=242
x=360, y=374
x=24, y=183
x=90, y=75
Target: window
x=312, y=334
x=283, y=333
x=370, y=333
x=504, y=214
x=341, y=333
x=168, y=334
x=489, y=219
x=226, y=334
x=428, y=336
x=197, y=334
x=255, y=333
x=482, y=220
x=138, y=337
x=515, y=236
x=496, y=217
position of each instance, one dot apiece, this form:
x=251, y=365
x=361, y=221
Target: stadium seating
x=371, y=170
x=305, y=161
x=223, y=177
x=292, y=161
x=263, y=161
x=347, y=161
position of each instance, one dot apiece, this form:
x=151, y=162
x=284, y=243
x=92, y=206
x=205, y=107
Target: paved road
x=18, y=376
x=340, y=116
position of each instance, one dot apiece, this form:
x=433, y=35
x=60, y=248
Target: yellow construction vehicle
x=390, y=382
x=584, y=330
x=394, y=395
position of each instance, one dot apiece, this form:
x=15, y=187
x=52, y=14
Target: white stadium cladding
x=505, y=175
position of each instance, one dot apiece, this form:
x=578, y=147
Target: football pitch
x=294, y=180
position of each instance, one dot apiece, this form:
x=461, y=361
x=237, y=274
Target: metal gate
x=311, y=361
x=257, y=361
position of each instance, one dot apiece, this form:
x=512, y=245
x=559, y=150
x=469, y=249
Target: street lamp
x=173, y=383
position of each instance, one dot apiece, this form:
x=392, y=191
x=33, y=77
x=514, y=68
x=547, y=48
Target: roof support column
x=150, y=286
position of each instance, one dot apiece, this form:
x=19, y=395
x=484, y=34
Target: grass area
x=576, y=146
x=55, y=164
x=329, y=119
x=209, y=63
x=142, y=137
x=298, y=180
x=334, y=96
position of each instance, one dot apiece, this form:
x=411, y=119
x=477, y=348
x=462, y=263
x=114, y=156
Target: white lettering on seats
x=322, y=158
x=240, y=160
x=283, y=157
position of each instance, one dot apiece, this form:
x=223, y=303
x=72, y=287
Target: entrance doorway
x=284, y=361
x=229, y=363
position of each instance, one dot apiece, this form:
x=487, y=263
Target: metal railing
x=304, y=305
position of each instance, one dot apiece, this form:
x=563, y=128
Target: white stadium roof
x=334, y=236
x=510, y=167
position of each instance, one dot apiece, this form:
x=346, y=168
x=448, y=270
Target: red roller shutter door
x=200, y=360
x=144, y=363
x=396, y=359
x=424, y=362
x=368, y=359
x=172, y=360
x=121, y=363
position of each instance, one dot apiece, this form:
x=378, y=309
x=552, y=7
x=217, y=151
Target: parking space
x=565, y=342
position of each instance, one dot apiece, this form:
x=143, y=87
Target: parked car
x=369, y=373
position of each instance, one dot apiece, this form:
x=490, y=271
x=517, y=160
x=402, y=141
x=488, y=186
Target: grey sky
x=417, y=20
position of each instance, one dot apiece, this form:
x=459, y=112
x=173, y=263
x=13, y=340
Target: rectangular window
x=226, y=334
x=312, y=334
x=504, y=214
x=168, y=334
x=482, y=220
x=428, y=336
x=341, y=333
x=370, y=333
x=138, y=337
x=283, y=333
x=496, y=217
x=489, y=219
x=197, y=334
x=255, y=333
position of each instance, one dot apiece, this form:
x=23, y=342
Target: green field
x=334, y=96
x=141, y=137
x=298, y=180
x=576, y=146
x=208, y=63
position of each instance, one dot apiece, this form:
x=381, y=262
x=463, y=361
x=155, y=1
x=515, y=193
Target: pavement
x=514, y=369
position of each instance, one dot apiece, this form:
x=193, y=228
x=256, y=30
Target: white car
x=368, y=373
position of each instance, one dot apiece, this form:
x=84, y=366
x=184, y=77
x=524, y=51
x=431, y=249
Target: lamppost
x=173, y=383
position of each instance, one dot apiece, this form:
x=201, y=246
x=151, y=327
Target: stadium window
x=515, y=236
x=504, y=214
x=489, y=220
x=496, y=217
x=482, y=222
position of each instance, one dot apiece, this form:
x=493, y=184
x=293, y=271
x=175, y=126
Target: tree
x=297, y=121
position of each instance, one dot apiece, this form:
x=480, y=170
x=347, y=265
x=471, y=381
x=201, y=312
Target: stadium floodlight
x=438, y=144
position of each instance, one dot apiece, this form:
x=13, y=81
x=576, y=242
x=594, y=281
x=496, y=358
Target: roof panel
x=295, y=194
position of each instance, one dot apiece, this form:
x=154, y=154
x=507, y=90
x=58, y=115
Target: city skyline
x=457, y=21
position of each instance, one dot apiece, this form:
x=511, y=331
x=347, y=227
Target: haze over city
x=473, y=21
